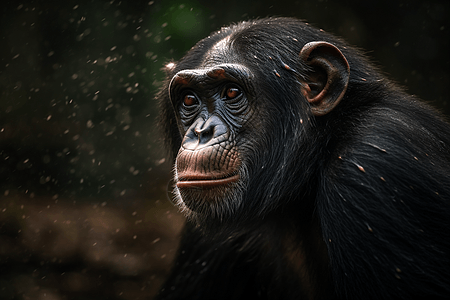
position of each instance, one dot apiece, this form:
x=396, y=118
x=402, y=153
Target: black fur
x=371, y=179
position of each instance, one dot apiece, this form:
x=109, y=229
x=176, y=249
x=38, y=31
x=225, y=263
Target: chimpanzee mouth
x=205, y=181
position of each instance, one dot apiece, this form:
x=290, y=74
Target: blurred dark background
x=84, y=211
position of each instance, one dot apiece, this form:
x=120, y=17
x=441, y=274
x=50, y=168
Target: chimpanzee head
x=240, y=108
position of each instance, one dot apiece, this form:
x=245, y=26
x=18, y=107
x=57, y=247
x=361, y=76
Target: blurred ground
x=61, y=249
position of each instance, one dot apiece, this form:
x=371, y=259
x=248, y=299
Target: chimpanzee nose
x=205, y=133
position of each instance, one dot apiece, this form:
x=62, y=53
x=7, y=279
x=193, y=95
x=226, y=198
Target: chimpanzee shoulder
x=386, y=198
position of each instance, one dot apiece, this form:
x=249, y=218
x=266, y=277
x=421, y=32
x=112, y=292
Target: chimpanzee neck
x=298, y=258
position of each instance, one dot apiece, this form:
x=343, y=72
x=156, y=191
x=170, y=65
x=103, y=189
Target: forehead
x=219, y=53
x=218, y=63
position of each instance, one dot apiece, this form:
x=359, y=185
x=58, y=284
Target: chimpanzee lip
x=205, y=181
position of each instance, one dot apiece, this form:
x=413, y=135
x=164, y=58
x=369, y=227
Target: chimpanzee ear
x=327, y=81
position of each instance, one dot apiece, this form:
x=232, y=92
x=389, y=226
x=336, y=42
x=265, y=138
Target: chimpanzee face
x=219, y=110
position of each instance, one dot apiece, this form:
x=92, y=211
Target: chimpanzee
x=303, y=172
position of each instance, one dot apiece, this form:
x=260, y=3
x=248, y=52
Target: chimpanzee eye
x=232, y=92
x=190, y=100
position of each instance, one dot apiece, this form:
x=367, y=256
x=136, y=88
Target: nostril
x=204, y=134
x=208, y=131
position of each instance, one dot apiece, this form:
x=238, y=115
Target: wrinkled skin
x=212, y=106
